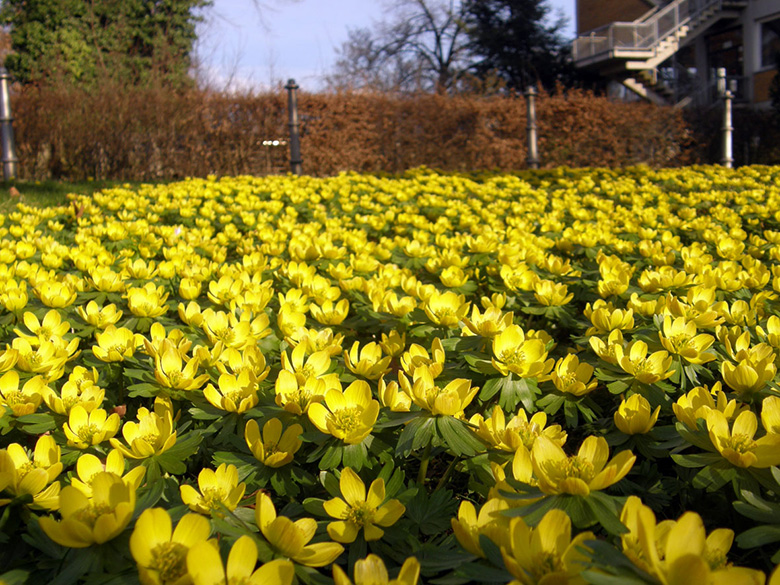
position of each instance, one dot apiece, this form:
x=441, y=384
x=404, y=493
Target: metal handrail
x=644, y=34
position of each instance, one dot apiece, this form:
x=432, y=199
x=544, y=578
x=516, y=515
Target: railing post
x=533, y=152
x=727, y=139
x=7, y=145
x=296, y=162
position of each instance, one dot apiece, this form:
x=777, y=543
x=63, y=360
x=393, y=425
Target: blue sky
x=259, y=43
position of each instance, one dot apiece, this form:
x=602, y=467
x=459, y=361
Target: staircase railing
x=644, y=34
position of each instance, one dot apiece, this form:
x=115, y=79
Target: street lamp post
x=533, y=151
x=296, y=162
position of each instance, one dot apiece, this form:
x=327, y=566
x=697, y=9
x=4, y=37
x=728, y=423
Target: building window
x=770, y=42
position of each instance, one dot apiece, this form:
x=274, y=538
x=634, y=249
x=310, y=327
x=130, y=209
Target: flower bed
x=565, y=375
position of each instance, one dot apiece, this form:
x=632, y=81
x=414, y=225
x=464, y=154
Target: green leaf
x=696, y=459
x=406, y=440
x=332, y=457
x=15, y=577
x=604, y=509
x=758, y=536
x=432, y=513
x=424, y=434
x=458, y=436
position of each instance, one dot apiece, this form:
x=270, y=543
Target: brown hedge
x=146, y=133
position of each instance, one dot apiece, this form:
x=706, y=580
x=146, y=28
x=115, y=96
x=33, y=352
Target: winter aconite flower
x=738, y=445
x=161, y=551
x=292, y=539
x=372, y=571
x=633, y=416
x=217, y=488
x=547, y=553
x=274, y=448
x=680, y=552
x=204, y=566
x=580, y=474
x=348, y=415
x=357, y=510
x=95, y=519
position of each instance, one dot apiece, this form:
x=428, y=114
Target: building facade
x=668, y=51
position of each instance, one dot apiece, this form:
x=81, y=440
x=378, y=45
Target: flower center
x=169, y=559
x=14, y=397
x=741, y=443
x=360, y=515
x=86, y=433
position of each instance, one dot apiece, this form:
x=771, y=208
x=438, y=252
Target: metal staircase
x=636, y=53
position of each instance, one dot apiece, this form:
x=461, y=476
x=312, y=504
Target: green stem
x=446, y=476
x=424, y=464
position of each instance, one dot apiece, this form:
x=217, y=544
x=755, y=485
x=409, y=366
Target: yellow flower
x=393, y=344
x=754, y=368
x=450, y=400
x=315, y=366
x=25, y=400
x=234, y=393
x=106, y=280
x=190, y=313
x=204, y=566
x=329, y=313
x=572, y=376
x=418, y=356
x=523, y=356
x=34, y=478
x=738, y=445
x=14, y=298
x=695, y=405
x=488, y=324
x=392, y=397
x=99, y=317
x=88, y=467
x=348, y=415
x=85, y=429
x=46, y=359
x=297, y=397
x=552, y=294
x=217, y=488
x=605, y=318
x=291, y=539
x=170, y=372
x=770, y=414
x=680, y=552
x=369, y=362
x=151, y=435
x=315, y=340
x=189, y=288
x=606, y=350
x=372, y=571
x=114, y=344
x=51, y=329
x=56, y=294
x=453, y=277
x=518, y=432
x=357, y=510
x=289, y=320
x=226, y=328
x=275, y=448
x=491, y=522
x=633, y=416
x=92, y=520
x=579, y=474
x=446, y=309
x=161, y=552
x=679, y=338
x=547, y=553
x=643, y=368
x=250, y=360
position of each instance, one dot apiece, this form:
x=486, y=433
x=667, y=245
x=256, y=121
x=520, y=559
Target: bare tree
x=421, y=46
